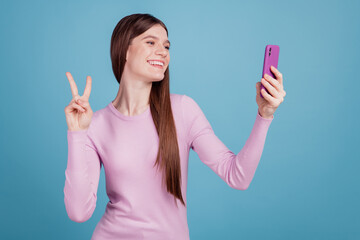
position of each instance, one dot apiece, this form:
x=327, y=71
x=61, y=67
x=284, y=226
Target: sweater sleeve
x=236, y=170
x=81, y=176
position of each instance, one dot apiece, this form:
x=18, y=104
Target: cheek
x=139, y=54
x=143, y=51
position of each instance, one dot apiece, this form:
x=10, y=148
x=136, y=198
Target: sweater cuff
x=263, y=122
x=259, y=116
x=75, y=135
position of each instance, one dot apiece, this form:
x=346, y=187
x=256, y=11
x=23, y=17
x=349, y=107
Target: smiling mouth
x=156, y=66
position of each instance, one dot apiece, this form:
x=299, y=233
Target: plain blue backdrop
x=307, y=183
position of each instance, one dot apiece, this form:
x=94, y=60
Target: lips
x=156, y=61
x=156, y=65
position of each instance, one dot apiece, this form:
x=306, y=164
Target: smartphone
x=271, y=59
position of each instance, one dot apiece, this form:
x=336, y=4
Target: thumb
x=258, y=84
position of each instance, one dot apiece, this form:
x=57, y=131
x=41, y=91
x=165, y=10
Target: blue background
x=307, y=183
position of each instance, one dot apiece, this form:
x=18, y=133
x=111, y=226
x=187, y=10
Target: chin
x=157, y=78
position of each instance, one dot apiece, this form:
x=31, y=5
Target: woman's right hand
x=78, y=113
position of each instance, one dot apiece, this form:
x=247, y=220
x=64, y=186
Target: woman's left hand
x=270, y=102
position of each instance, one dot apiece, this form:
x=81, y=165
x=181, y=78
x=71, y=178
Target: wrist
x=265, y=116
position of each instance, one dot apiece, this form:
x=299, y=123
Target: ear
x=127, y=54
x=127, y=51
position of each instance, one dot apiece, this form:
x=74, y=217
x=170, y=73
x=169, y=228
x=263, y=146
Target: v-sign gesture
x=78, y=113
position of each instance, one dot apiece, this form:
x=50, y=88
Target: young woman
x=143, y=138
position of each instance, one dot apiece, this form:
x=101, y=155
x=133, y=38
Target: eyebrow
x=151, y=36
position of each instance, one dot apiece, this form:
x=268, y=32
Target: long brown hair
x=168, y=158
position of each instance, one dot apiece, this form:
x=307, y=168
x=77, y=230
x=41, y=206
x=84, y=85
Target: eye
x=152, y=42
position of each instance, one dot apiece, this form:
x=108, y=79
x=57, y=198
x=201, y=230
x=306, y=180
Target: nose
x=161, y=50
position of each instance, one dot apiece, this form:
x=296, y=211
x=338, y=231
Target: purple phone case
x=271, y=59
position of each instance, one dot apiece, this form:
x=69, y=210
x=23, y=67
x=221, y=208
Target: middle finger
x=277, y=74
x=87, y=88
x=275, y=83
x=271, y=89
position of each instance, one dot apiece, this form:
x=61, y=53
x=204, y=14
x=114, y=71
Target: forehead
x=156, y=31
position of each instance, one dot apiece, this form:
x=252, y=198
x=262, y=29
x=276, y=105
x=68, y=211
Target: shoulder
x=99, y=114
x=184, y=102
x=184, y=107
x=175, y=100
x=99, y=118
x=189, y=105
x=174, y=97
x=182, y=99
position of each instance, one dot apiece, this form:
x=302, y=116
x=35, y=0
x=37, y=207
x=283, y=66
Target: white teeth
x=156, y=63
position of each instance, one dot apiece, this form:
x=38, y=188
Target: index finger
x=278, y=74
x=73, y=87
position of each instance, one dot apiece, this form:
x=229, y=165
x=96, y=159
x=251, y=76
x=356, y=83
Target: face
x=145, y=53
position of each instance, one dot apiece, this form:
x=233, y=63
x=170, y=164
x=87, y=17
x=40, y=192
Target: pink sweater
x=126, y=146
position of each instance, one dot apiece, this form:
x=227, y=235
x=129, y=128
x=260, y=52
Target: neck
x=132, y=97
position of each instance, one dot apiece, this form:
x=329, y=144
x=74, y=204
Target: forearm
x=81, y=176
x=247, y=160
